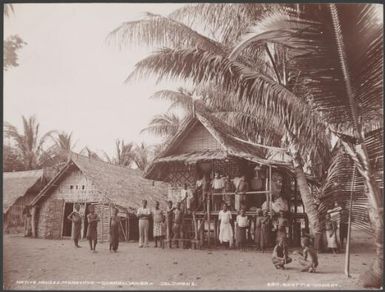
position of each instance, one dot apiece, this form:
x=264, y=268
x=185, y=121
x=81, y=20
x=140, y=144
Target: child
x=225, y=229
x=114, y=231
x=258, y=230
x=308, y=251
x=92, y=234
x=157, y=216
x=242, y=224
x=281, y=255
x=282, y=223
x=331, y=233
x=76, y=219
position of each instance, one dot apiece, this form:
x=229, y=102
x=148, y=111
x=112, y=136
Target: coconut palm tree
x=29, y=144
x=240, y=79
x=318, y=59
x=346, y=84
x=124, y=154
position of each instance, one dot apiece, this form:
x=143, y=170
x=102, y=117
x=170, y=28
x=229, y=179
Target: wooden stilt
x=128, y=226
x=215, y=233
x=208, y=220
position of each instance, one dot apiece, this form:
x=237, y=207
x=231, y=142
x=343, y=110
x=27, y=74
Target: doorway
x=67, y=224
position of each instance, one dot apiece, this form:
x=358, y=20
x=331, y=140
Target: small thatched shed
x=88, y=181
x=18, y=191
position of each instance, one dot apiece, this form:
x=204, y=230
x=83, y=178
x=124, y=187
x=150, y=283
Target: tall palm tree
x=318, y=59
x=29, y=144
x=208, y=62
x=124, y=154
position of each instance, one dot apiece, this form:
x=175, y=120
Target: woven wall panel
x=199, y=139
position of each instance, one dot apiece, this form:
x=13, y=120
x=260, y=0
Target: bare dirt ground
x=37, y=263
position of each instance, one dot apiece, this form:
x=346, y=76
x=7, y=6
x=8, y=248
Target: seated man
x=281, y=255
x=308, y=252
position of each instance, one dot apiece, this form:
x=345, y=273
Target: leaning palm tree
x=29, y=144
x=318, y=55
x=239, y=80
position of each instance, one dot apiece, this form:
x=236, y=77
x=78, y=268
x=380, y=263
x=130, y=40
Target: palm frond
x=163, y=125
x=226, y=21
x=180, y=98
x=161, y=31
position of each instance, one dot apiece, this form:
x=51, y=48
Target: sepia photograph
x=193, y=146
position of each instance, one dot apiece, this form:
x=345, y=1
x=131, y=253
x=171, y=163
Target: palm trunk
x=359, y=154
x=372, y=277
x=307, y=197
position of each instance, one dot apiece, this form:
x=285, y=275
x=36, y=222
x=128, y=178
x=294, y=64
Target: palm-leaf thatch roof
x=121, y=186
x=17, y=184
x=233, y=143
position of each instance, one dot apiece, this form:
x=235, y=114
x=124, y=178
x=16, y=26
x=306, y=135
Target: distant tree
x=142, y=156
x=12, y=44
x=90, y=154
x=28, y=144
x=124, y=154
x=11, y=161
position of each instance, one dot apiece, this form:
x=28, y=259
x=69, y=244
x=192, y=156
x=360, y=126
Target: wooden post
x=270, y=194
x=215, y=232
x=208, y=219
x=34, y=221
x=128, y=226
x=347, y=254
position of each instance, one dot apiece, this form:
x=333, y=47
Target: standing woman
x=157, y=216
x=76, y=219
x=114, y=230
x=143, y=214
x=225, y=229
x=331, y=233
x=92, y=233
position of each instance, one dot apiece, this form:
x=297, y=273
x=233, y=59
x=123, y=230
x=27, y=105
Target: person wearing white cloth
x=143, y=214
x=225, y=228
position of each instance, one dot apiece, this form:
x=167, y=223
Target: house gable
x=197, y=139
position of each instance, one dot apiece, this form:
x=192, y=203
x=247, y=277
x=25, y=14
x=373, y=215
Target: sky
x=73, y=81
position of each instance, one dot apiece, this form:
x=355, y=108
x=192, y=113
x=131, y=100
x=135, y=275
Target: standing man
x=143, y=214
x=27, y=221
x=177, y=228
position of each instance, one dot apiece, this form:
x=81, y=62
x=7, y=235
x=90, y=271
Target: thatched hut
x=205, y=145
x=88, y=181
x=18, y=191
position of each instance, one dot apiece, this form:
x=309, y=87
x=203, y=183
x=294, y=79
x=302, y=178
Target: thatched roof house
x=88, y=181
x=19, y=190
x=204, y=137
